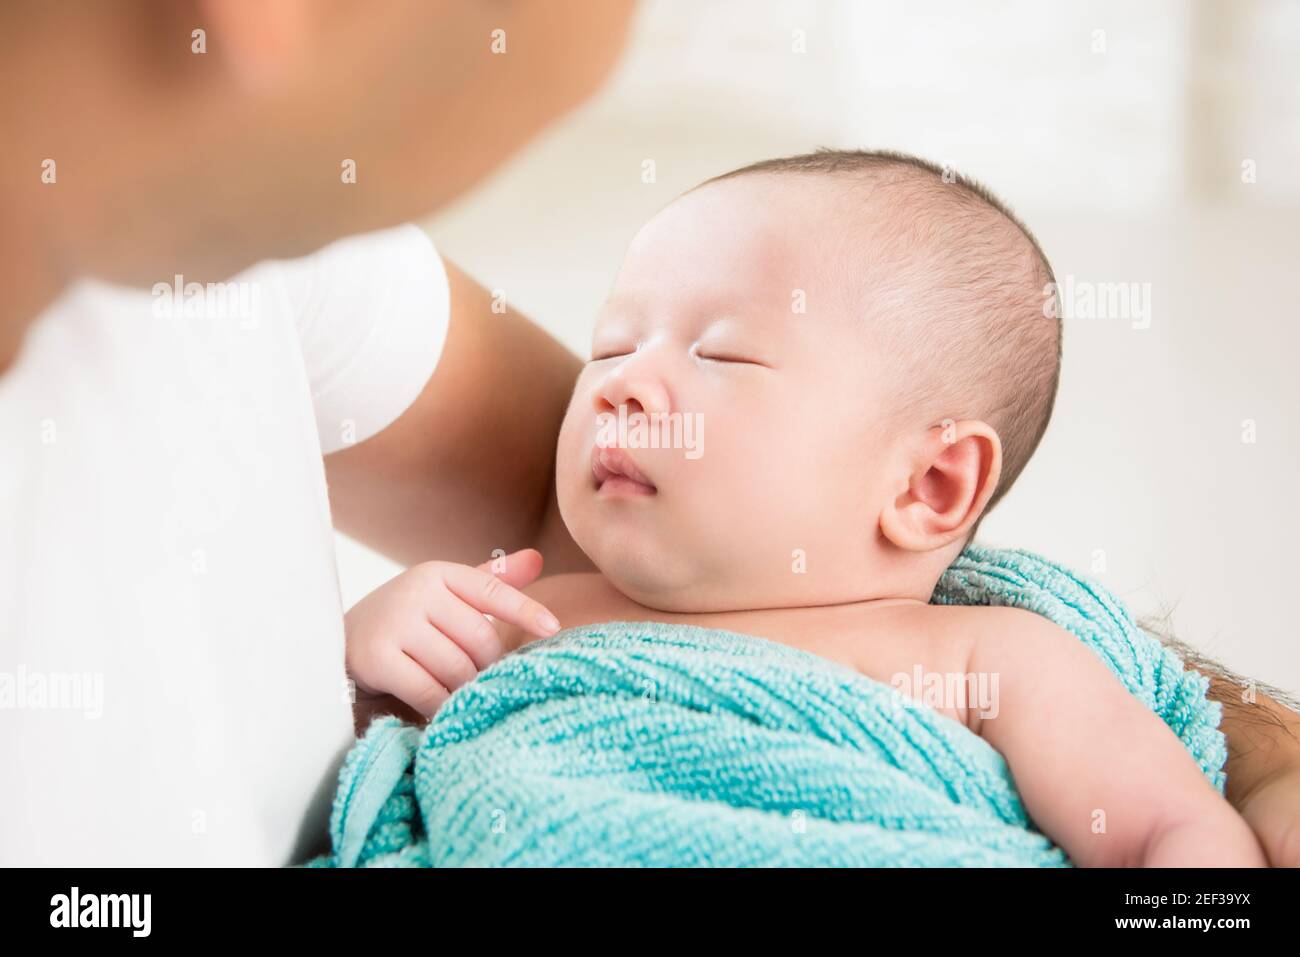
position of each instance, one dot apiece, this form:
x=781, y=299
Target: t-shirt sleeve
x=372, y=312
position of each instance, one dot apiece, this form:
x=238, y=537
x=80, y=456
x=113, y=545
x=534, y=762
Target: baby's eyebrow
x=616, y=309
x=620, y=303
x=612, y=322
x=735, y=323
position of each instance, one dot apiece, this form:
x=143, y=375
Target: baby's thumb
x=518, y=569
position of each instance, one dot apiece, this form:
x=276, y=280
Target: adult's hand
x=1272, y=810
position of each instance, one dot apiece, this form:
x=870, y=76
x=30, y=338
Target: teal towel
x=633, y=743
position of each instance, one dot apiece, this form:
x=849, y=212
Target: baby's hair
x=989, y=317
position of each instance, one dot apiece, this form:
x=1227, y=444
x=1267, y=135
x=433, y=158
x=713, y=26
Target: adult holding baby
x=162, y=494
x=167, y=548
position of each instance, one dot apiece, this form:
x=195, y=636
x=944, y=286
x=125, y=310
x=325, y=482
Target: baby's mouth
x=615, y=472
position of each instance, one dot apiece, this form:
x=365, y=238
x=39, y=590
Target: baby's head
x=851, y=354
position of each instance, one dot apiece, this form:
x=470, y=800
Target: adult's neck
x=29, y=276
x=35, y=49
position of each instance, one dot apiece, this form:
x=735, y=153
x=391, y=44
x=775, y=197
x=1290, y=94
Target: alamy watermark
x=651, y=430
x=23, y=690
x=75, y=909
x=207, y=300
x=1080, y=299
x=976, y=692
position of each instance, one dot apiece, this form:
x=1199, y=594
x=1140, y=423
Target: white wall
x=1127, y=162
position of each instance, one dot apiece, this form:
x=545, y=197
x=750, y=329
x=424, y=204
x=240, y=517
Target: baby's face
x=734, y=332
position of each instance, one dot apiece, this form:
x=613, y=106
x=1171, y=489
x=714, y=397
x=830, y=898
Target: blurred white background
x=1119, y=132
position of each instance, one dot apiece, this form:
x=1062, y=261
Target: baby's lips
x=607, y=462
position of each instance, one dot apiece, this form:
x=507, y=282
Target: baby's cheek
x=758, y=457
x=569, y=471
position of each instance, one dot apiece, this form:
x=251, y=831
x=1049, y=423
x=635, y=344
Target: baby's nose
x=638, y=389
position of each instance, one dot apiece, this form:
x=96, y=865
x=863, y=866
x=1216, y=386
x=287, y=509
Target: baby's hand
x=423, y=635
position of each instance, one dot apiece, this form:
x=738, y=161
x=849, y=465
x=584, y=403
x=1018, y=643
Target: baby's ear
x=951, y=476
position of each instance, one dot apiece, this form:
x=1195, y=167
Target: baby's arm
x=1098, y=771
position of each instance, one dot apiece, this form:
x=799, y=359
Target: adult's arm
x=469, y=466
x=1262, y=728
x=1263, y=766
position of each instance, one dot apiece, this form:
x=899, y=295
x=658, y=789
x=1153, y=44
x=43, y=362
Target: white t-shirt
x=172, y=688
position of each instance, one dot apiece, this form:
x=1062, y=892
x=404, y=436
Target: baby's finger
x=468, y=628
x=492, y=596
x=411, y=683
x=519, y=569
x=442, y=658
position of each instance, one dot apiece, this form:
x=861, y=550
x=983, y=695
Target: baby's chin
x=671, y=597
x=642, y=576
x=645, y=557
x=662, y=581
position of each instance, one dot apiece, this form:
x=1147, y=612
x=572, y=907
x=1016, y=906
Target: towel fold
x=635, y=743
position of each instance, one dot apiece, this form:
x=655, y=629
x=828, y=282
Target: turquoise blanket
x=635, y=743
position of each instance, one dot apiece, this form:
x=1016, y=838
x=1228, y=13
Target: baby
x=854, y=355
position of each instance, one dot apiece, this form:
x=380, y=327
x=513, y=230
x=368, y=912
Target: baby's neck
x=863, y=589
x=589, y=598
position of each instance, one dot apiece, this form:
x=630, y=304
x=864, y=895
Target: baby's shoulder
x=993, y=622
x=962, y=650
x=984, y=624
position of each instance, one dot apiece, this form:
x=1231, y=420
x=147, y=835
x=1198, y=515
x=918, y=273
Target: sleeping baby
x=812, y=379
